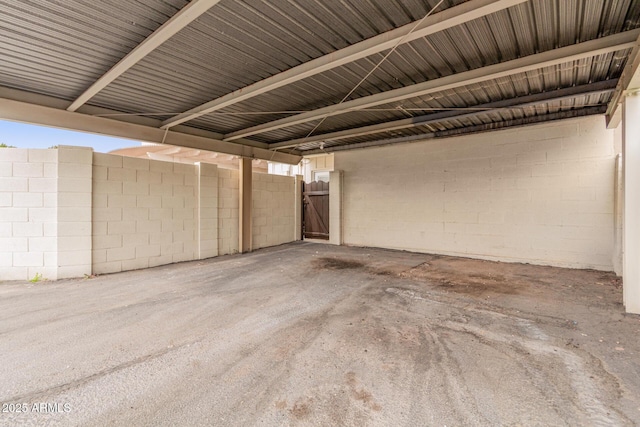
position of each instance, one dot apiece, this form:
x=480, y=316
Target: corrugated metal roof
x=603, y=67
x=478, y=43
x=60, y=48
x=497, y=116
x=478, y=117
x=238, y=43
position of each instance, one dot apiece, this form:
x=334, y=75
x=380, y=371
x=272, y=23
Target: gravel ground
x=311, y=334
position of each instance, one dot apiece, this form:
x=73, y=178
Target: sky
x=30, y=136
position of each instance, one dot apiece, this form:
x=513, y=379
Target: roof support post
x=631, y=202
x=298, y=208
x=245, y=223
x=207, y=218
x=336, y=189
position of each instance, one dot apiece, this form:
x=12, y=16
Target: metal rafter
x=560, y=115
x=629, y=81
x=517, y=102
x=183, y=18
x=448, y=18
x=549, y=58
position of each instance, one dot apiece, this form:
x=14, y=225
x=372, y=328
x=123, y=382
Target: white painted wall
x=541, y=194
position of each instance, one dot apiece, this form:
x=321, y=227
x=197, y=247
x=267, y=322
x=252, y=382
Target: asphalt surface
x=311, y=334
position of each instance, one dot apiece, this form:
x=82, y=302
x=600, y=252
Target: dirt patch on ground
x=379, y=269
x=481, y=278
x=301, y=409
x=327, y=263
x=361, y=394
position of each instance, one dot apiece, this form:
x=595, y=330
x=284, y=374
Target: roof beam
x=91, y=110
x=560, y=115
x=518, y=102
x=448, y=18
x=183, y=18
x=549, y=58
x=13, y=110
x=629, y=82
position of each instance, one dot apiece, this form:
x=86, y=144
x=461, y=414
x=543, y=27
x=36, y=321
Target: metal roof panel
x=64, y=46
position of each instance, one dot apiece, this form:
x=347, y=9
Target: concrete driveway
x=310, y=334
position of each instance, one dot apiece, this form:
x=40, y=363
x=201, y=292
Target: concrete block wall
x=45, y=213
x=68, y=212
x=541, y=194
x=228, y=211
x=144, y=213
x=28, y=213
x=75, y=173
x=207, y=224
x=274, y=210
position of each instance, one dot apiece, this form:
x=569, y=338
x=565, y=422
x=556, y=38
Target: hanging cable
x=164, y=137
x=384, y=58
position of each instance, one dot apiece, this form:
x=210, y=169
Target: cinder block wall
x=75, y=172
x=207, y=198
x=45, y=213
x=144, y=213
x=541, y=194
x=273, y=213
x=69, y=212
x=149, y=213
x=28, y=213
x=228, y=211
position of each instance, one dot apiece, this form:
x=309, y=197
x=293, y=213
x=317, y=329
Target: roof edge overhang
x=26, y=107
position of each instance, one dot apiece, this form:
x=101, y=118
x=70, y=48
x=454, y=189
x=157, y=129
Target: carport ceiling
x=257, y=77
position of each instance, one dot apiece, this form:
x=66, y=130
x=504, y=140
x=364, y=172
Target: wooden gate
x=315, y=221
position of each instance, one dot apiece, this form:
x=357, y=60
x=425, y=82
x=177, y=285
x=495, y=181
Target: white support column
x=618, y=213
x=245, y=227
x=631, y=198
x=298, y=208
x=207, y=210
x=335, y=207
